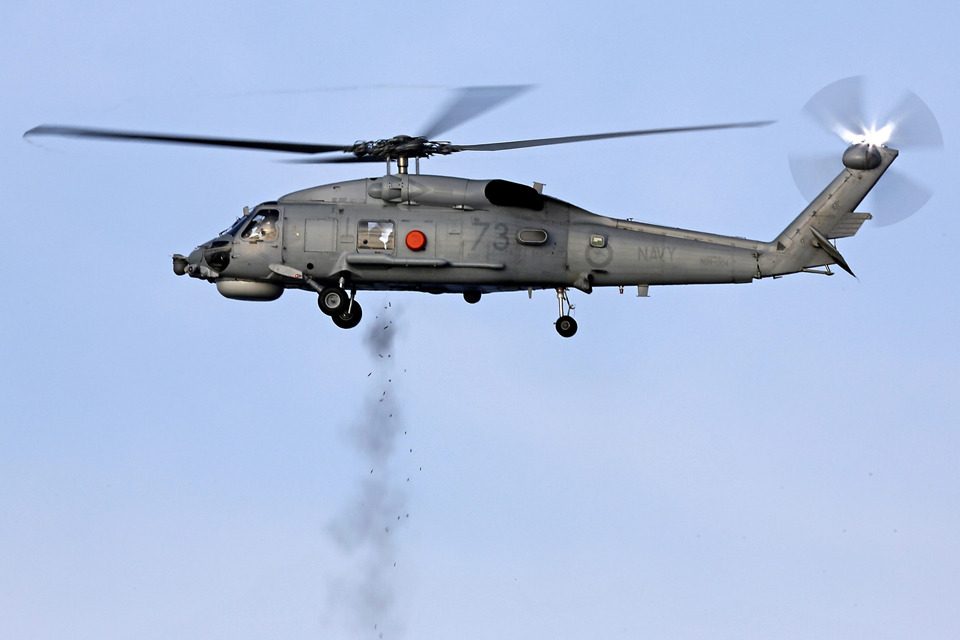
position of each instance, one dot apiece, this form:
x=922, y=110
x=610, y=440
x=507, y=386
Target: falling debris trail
x=364, y=595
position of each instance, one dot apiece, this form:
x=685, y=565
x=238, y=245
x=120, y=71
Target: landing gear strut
x=566, y=326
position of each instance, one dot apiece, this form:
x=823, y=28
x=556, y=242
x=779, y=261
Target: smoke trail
x=363, y=597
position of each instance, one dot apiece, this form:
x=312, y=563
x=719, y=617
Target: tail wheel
x=566, y=326
x=333, y=300
x=346, y=320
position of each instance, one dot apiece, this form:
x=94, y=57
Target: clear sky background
x=737, y=461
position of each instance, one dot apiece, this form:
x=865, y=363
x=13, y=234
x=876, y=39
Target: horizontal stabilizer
x=849, y=225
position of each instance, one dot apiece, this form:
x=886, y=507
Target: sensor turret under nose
x=180, y=264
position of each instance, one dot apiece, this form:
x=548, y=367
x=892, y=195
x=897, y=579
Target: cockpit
x=263, y=226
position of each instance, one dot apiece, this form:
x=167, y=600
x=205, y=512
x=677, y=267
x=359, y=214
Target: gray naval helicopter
x=438, y=234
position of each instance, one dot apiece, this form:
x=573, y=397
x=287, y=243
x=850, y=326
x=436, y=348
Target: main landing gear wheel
x=333, y=300
x=348, y=320
x=566, y=326
x=473, y=297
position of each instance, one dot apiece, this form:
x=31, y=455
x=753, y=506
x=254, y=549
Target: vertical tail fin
x=830, y=215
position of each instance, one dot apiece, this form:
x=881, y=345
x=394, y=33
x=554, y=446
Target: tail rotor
x=839, y=109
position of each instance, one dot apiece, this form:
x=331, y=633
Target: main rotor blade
x=109, y=134
x=914, y=125
x=838, y=106
x=343, y=159
x=541, y=142
x=470, y=103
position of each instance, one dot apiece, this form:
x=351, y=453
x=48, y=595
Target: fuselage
x=443, y=234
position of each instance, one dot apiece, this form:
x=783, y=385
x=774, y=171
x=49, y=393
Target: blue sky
x=711, y=462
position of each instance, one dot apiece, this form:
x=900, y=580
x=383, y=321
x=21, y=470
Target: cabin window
x=263, y=226
x=375, y=235
x=532, y=236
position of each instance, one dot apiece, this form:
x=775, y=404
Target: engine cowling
x=441, y=191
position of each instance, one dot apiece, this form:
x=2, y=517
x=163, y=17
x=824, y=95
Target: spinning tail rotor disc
x=839, y=109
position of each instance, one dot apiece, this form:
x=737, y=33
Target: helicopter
x=406, y=231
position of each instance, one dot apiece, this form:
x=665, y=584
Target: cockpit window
x=263, y=226
x=375, y=234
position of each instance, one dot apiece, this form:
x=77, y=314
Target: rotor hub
x=401, y=147
x=862, y=157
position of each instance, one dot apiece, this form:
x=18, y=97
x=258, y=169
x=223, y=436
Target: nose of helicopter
x=183, y=265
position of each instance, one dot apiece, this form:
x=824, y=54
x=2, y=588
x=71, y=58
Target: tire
x=566, y=326
x=333, y=300
x=346, y=320
x=473, y=297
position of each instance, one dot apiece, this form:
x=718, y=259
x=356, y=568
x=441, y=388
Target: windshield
x=232, y=231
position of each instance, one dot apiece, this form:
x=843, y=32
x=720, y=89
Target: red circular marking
x=416, y=241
